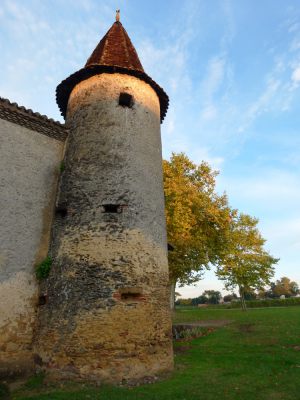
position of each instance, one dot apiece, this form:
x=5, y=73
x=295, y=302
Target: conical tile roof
x=116, y=49
x=114, y=54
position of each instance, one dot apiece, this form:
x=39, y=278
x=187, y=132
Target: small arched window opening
x=126, y=100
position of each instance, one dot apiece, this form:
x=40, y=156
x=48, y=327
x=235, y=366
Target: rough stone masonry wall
x=107, y=314
x=29, y=165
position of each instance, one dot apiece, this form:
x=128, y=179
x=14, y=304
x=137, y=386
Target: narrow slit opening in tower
x=126, y=100
x=42, y=299
x=61, y=211
x=170, y=247
x=112, y=208
x=131, y=294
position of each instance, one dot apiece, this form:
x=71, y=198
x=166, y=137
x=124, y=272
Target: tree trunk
x=172, y=295
x=242, y=295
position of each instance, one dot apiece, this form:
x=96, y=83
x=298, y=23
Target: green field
x=256, y=356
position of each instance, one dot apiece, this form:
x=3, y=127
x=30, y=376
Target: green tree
x=247, y=265
x=213, y=296
x=177, y=295
x=229, y=297
x=249, y=294
x=198, y=219
x=283, y=286
x=207, y=297
x=199, y=300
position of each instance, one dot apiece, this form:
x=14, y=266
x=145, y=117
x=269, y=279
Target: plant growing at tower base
x=42, y=270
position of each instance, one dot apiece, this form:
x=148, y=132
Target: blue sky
x=231, y=69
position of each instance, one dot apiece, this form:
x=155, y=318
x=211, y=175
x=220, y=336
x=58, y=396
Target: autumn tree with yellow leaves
x=246, y=266
x=198, y=219
x=204, y=231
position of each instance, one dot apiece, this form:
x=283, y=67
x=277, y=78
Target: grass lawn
x=257, y=356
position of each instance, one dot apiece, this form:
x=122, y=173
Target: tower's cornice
x=65, y=88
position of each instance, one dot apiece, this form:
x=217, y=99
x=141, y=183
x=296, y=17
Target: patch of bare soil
x=293, y=346
x=246, y=328
x=182, y=349
x=138, y=382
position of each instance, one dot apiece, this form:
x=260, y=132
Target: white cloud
x=294, y=27
x=284, y=232
x=167, y=64
x=230, y=29
x=295, y=45
x=261, y=105
x=283, y=241
x=209, y=112
x=41, y=48
x=169, y=124
x=214, y=77
x=280, y=83
x=199, y=154
x=296, y=75
x=271, y=189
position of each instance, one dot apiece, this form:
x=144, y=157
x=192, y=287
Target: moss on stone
x=42, y=269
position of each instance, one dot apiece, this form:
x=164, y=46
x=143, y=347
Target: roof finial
x=117, y=15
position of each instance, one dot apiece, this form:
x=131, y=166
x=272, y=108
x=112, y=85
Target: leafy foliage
x=292, y=301
x=192, y=333
x=4, y=391
x=198, y=300
x=249, y=294
x=229, y=297
x=198, y=219
x=42, y=270
x=213, y=296
x=246, y=265
x=62, y=166
x=283, y=286
x=36, y=381
x=207, y=297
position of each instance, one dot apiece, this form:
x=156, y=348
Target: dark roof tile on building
x=22, y=116
x=114, y=54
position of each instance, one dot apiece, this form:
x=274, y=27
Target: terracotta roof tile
x=114, y=54
x=116, y=49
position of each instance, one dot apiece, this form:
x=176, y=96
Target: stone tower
x=104, y=311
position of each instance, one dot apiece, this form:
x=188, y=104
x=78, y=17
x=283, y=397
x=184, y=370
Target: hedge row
x=291, y=301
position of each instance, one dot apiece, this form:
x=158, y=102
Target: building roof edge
x=23, y=116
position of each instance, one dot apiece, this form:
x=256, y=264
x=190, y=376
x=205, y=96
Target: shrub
x=291, y=301
x=189, y=333
x=42, y=270
x=4, y=391
x=229, y=297
x=35, y=381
